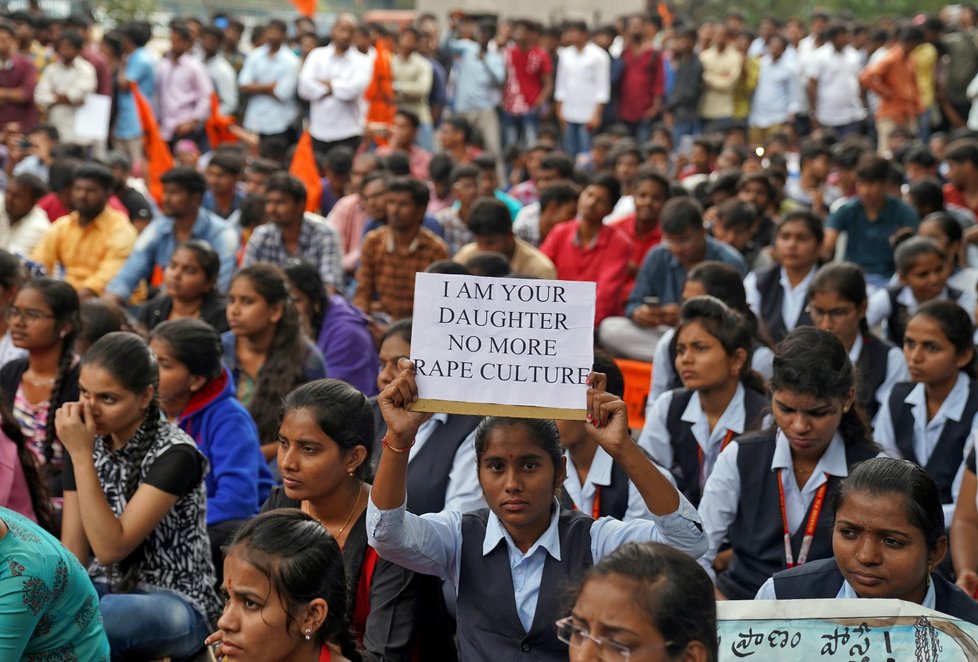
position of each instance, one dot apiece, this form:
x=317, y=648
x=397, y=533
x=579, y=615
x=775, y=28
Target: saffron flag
x=158, y=157
x=305, y=7
x=218, y=126
x=305, y=169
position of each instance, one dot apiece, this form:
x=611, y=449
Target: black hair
x=650, y=174
x=97, y=173
x=187, y=178
x=302, y=562
x=180, y=29
x=207, y=258
x=290, y=185
x=447, y=266
x=957, y=327
x=920, y=155
x=251, y=211
x=605, y=363
x=872, y=168
x=558, y=193
x=263, y=167
x=887, y=476
x=36, y=485
x=460, y=124
x=397, y=164
x=559, y=162
x=282, y=369
x=305, y=278
x=194, y=343
x=11, y=271
x=844, y=279
x=228, y=160
x=811, y=221
x=401, y=328
x=813, y=150
x=608, y=183
x=543, y=431
x=343, y=414
x=489, y=264
x=681, y=214
x=339, y=160
x=672, y=591
x=726, y=325
x=734, y=213
x=7, y=27
x=418, y=191
x=949, y=227
x=74, y=39
x=490, y=217
x=129, y=360
x=961, y=151
x=135, y=32
x=464, y=172
x=814, y=362
x=278, y=24
x=213, y=31
x=913, y=248
x=409, y=115
x=100, y=318
x=926, y=195
x=63, y=301
x=441, y=167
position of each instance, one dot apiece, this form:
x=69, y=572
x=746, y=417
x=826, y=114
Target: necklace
x=40, y=382
x=348, y=517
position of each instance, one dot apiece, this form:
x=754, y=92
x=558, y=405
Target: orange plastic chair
x=638, y=383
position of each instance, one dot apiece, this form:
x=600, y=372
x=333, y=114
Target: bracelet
x=397, y=450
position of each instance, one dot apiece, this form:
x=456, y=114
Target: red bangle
x=397, y=450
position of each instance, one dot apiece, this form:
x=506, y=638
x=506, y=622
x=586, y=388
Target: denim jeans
x=684, y=128
x=426, y=136
x=520, y=127
x=577, y=139
x=640, y=130
x=148, y=626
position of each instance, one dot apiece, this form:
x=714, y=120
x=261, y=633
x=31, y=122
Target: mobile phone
x=654, y=302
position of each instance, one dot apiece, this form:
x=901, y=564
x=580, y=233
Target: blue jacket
x=239, y=480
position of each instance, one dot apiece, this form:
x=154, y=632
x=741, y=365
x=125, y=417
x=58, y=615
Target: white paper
x=92, y=118
x=509, y=341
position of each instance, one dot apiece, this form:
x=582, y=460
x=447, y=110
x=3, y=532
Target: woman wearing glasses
x=643, y=602
x=837, y=302
x=44, y=320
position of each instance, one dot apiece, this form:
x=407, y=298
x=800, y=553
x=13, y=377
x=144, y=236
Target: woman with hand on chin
x=524, y=532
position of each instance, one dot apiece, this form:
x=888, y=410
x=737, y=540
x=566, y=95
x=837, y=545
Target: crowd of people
x=206, y=424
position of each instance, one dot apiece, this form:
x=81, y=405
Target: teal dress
x=48, y=605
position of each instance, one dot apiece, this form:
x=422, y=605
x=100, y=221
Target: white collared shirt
x=846, y=592
x=721, y=496
x=335, y=112
x=583, y=81
x=655, y=439
x=880, y=307
x=599, y=475
x=896, y=371
x=839, y=97
x=463, y=493
x=792, y=301
x=926, y=433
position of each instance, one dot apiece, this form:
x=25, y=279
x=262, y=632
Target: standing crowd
x=206, y=430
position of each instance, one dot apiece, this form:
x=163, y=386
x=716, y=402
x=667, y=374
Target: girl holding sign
x=524, y=532
x=723, y=398
x=887, y=539
x=768, y=489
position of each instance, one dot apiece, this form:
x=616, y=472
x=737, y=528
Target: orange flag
x=305, y=7
x=218, y=126
x=305, y=169
x=380, y=92
x=158, y=157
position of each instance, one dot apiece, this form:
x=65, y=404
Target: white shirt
x=792, y=302
x=664, y=371
x=896, y=370
x=721, y=496
x=225, y=83
x=76, y=81
x=927, y=433
x=880, y=308
x=335, y=111
x=600, y=475
x=655, y=439
x=838, y=95
x=583, y=81
x=21, y=238
x=463, y=493
x=846, y=592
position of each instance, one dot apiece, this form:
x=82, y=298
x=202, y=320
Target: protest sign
x=502, y=346
x=844, y=630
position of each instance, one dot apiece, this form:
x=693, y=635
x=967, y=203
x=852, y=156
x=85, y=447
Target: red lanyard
x=325, y=655
x=806, y=542
x=723, y=446
x=596, y=504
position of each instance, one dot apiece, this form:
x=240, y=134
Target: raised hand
x=395, y=403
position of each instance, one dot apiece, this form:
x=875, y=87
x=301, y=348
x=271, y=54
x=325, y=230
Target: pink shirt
x=13, y=484
x=183, y=92
x=349, y=219
x=418, y=159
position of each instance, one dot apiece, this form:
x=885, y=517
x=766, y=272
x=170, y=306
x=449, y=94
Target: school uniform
x=508, y=621
x=879, y=365
x=442, y=472
x=822, y=579
x=664, y=375
x=939, y=445
x=779, y=306
x=893, y=306
x=743, y=501
x=606, y=490
x=677, y=434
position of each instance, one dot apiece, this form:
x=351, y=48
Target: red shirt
x=19, y=73
x=604, y=262
x=640, y=246
x=953, y=196
x=642, y=81
x=525, y=71
x=54, y=209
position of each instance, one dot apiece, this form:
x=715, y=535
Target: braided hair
x=63, y=301
x=282, y=370
x=36, y=485
x=129, y=360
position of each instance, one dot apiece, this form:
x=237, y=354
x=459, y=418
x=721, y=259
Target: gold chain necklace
x=348, y=517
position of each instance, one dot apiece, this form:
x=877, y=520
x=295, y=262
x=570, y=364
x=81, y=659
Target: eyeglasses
x=30, y=315
x=835, y=314
x=608, y=650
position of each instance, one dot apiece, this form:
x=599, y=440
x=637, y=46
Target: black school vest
x=871, y=372
x=429, y=470
x=489, y=627
x=614, y=496
x=757, y=533
x=948, y=454
x=822, y=579
x=896, y=323
x=686, y=466
x=772, y=296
